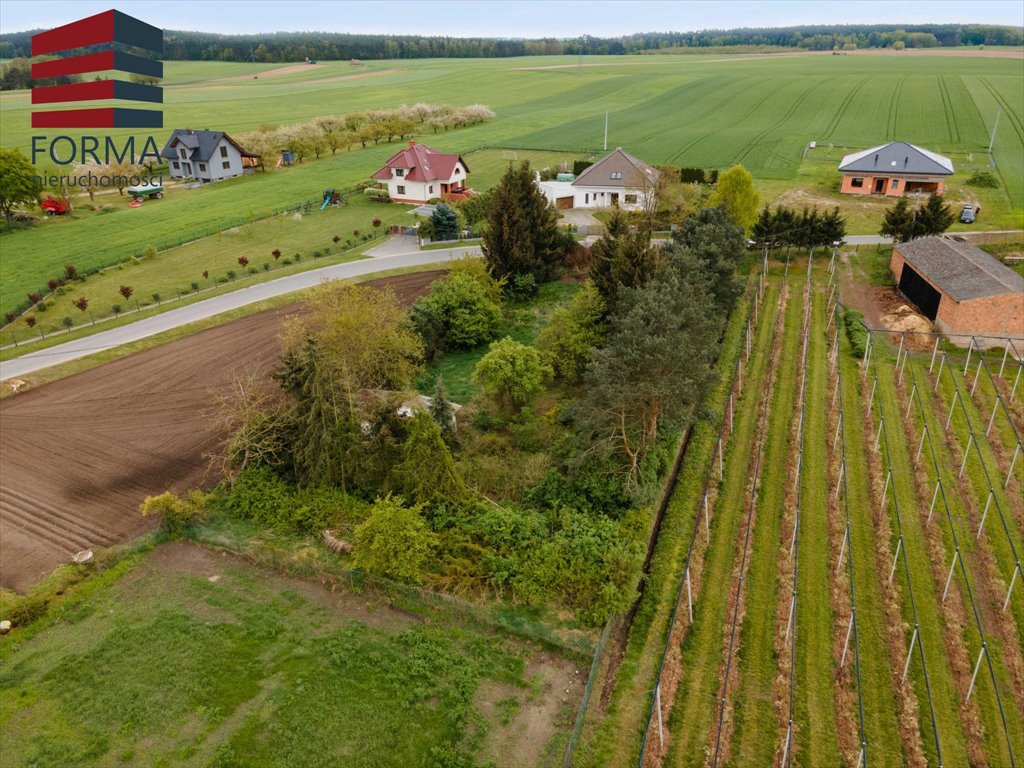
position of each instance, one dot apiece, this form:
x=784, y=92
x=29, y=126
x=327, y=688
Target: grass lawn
x=520, y=321
x=197, y=657
x=172, y=272
x=711, y=111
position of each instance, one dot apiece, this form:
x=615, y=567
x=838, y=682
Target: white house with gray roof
x=618, y=179
x=206, y=156
x=894, y=170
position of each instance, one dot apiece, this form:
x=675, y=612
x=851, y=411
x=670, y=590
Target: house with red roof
x=420, y=173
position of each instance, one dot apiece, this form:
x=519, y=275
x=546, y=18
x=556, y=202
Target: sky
x=501, y=18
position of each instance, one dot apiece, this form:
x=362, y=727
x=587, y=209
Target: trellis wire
x=958, y=557
x=900, y=548
x=842, y=484
x=762, y=428
x=685, y=581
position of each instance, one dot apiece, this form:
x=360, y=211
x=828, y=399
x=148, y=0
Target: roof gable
x=619, y=169
x=423, y=163
x=897, y=157
x=960, y=269
x=202, y=144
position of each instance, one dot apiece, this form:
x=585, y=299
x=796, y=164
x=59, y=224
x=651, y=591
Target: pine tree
x=442, y=412
x=446, y=223
x=899, y=222
x=933, y=218
x=522, y=235
x=622, y=258
x=427, y=473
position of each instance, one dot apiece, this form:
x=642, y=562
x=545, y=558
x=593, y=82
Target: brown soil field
x=77, y=456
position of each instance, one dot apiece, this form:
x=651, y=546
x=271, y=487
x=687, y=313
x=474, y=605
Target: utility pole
x=992, y=141
x=606, y=130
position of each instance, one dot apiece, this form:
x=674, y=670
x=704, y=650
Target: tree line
x=298, y=46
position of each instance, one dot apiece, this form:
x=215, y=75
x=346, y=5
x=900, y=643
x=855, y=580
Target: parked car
x=970, y=213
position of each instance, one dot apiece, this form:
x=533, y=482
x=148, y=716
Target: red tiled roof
x=423, y=163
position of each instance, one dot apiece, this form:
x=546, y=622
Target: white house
x=420, y=174
x=206, y=156
x=618, y=179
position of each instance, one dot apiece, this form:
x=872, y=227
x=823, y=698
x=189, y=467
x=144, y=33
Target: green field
x=187, y=656
x=688, y=110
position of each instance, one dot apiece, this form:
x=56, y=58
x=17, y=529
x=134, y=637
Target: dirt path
x=80, y=454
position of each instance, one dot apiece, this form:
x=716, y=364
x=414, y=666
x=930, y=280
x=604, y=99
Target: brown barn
x=960, y=287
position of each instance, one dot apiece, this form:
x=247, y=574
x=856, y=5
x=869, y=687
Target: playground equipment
x=331, y=197
x=139, y=192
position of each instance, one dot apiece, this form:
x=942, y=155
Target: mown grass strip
x=694, y=704
x=756, y=737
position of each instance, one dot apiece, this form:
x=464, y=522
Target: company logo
x=103, y=29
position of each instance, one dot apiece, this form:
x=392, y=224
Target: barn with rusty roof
x=960, y=287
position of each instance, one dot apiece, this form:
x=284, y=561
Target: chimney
x=412, y=143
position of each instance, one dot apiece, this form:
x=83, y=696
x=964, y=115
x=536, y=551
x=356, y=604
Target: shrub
x=222, y=279
x=52, y=284
x=983, y=179
x=376, y=223
x=30, y=321
x=67, y=322
x=42, y=306
x=579, y=166
x=511, y=373
x=286, y=262
x=692, y=175
x=276, y=253
x=126, y=291
x=10, y=317
x=317, y=254
x=252, y=270
x=856, y=331
x=33, y=298
x=156, y=297
x=195, y=286
x=456, y=314
x=394, y=541
x=571, y=333
x=355, y=232
x=231, y=274
x=81, y=303
x=522, y=287
x=336, y=238
x=265, y=498
x=206, y=274
x=178, y=514
x=266, y=266
x=243, y=261
x=297, y=257
x=116, y=309
x=70, y=271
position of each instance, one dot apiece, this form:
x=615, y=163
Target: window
x=399, y=172
x=616, y=174
x=183, y=154
x=400, y=189
x=177, y=165
x=223, y=151
x=202, y=166
x=431, y=189
x=586, y=198
x=456, y=172
x=857, y=183
x=226, y=164
x=630, y=198
x=895, y=183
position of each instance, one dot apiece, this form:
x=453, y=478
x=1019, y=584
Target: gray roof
x=960, y=269
x=634, y=173
x=202, y=144
x=897, y=157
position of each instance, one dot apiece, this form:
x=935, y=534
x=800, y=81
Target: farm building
x=206, y=156
x=421, y=173
x=618, y=179
x=894, y=170
x=960, y=287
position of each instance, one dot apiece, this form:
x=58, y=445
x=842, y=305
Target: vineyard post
x=988, y=503
x=1013, y=580
x=910, y=653
x=935, y=351
x=970, y=348
x=949, y=578
x=1013, y=461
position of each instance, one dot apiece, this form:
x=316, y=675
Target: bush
x=522, y=287
x=983, y=179
x=317, y=254
x=42, y=306
x=511, y=373
x=297, y=257
x=276, y=253
x=67, y=322
x=195, y=286
x=252, y=270
x=286, y=262
x=458, y=313
x=222, y=279
x=856, y=331
x=692, y=175
x=579, y=166
x=178, y=514
x=263, y=497
x=571, y=333
x=266, y=266
x=52, y=284
x=116, y=309
x=231, y=274
x=395, y=540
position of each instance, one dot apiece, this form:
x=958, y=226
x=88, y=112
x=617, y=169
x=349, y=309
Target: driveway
x=581, y=217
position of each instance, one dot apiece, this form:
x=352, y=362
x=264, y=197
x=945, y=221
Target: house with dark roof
x=964, y=290
x=620, y=179
x=420, y=173
x=206, y=156
x=894, y=170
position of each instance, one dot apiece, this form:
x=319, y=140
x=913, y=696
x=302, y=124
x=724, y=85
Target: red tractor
x=55, y=206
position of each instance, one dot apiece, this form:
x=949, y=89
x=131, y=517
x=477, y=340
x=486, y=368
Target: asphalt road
x=150, y=326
